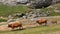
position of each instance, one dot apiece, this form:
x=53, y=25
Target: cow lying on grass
x=41, y=21
x=15, y=25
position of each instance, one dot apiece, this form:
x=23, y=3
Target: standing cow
x=54, y=21
x=41, y=21
x=15, y=25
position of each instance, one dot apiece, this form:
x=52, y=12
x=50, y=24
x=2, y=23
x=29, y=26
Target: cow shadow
x=18, y=29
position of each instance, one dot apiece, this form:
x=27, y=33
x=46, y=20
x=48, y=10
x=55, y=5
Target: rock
x=41, y=3
x=10, y=17
x=19, y=15
x=56, y=10
x=11, y=20
x=22, y=1
x=24, y=17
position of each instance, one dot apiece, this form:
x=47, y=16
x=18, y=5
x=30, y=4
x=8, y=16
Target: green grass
x=3, y=20
x=8, y=10
x=51, y=10
x=36, y=30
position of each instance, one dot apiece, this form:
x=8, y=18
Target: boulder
x=40, y=3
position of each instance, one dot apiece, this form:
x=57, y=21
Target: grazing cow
x=15, y=24
x=41, y=21
x=54, y=21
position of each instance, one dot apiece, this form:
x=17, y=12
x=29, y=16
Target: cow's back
x=41, y=21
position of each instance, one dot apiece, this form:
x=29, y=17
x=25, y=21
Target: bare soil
x=5, y=27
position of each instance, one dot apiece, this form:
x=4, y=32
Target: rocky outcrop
x=15, y=2
x=33, y=14
x=55, y=1
x=40, y=3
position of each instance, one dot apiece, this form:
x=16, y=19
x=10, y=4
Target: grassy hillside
x=7, y=10
x=37, y=30
x=51, y=9
x=54, y=8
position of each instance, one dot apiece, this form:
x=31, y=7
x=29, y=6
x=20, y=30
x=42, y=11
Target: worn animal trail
x=5, y=27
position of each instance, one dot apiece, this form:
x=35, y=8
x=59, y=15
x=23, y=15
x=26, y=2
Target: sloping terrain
x=37, y=30
x=9, y=10
x=34, y=28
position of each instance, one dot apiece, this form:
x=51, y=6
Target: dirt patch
x=5, y=27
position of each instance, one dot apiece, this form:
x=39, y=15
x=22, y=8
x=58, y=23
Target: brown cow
x=41, y=21
x=54, y=21
x=15, y=24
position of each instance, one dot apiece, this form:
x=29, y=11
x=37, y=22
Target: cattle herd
x=17, y=24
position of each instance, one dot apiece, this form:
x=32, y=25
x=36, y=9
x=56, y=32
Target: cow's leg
x=20, y=27
x=56, y=22
x=40, y=24
x=12, y=28
x=45, y=23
